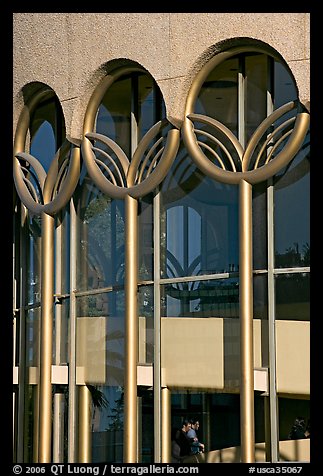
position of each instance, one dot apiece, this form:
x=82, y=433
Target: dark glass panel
x=260, y=297
x=47, y=131
x=43, y=146
x=101, y=238
x=147, y=107
x=289, y=410
x=260, y=311
x=32, y=337
x=100, y=350
x=114, y=115
x=30, y=423
x=218, y=97
x=34, y=260
x=145, y=235
x=292, y=212
x=62, y=251
x=107, y=424
x=61, y=332
x=256, y=74
x=284, y=86
x=146, y=323
x=293, y=296
x=213, y=298
x=259, y=225
x=199, y=223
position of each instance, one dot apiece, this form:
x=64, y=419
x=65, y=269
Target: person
x=297, y=431
x=183, y=440
x=196, y=445
x=175, y=447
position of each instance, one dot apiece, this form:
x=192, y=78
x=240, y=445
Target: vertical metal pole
x=72, y=416
x=58, y=407
x=58, y=433
x=84, y=425
x=22, y=336
x=274, y=437
x=246, y=325
x=45, y=385
x=166, y=424
x=36, y=390
x=206, y=420
x=131, y=331
x=157, y=329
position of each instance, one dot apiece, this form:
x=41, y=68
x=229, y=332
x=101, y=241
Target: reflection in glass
x=218, y=97
x=30, y=423
x=47, y=131
x=61, y=332
x=62, y=251
x=289, y=410
x=284, y=86
x=260, y=297
x=293, y=296
x=146, y=324
x=114, y=115
x=101, y=238
x=133, y=97
x=259, y=225
x=212, y=298
x=32, y=337
x=100, y=353
x=260, y=311
x=34, y=260
x=292, y=212
x=145, y=242
x=199, y=223
x=256, y=72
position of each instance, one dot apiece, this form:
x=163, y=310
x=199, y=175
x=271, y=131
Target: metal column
x=246, y=324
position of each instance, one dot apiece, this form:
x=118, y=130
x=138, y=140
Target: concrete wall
x=71, y=52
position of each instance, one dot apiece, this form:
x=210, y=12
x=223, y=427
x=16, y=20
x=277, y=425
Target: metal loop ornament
x=138, y=182
x=286, y=154
x=56, y=187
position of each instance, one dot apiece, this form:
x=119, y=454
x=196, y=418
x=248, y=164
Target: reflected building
x=161, y=236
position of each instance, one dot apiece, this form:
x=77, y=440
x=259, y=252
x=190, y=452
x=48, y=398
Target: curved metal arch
x=46, y=182
x=130, y=167
x=251, y=176
x=289, y=151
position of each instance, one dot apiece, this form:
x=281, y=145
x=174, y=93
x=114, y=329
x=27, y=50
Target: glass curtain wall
x=45, y=135
x=129, y=108
x=200, y=247
x=188, y=275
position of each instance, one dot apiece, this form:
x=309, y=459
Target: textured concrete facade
x=71, y=52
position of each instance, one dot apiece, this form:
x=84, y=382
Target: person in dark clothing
x=175, y=448
x=183, y=440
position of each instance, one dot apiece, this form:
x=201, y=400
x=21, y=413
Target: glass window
x=209, y=298
x=101, y=238
x=292, y=212
x=293, y=296
x=100, y=353
x=259, y=225
x=218, y=97
x=47, y=131
x=199, y=223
